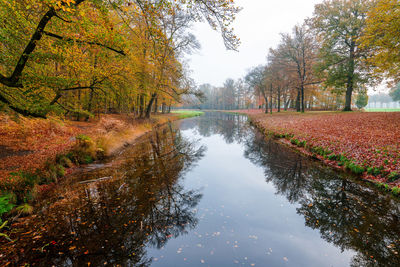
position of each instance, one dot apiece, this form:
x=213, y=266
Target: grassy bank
x=366, y=144
x=36, y=154
x=184, y=114
x=382, y=109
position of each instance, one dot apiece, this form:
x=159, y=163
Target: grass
x=184, y=114
x=383, y=109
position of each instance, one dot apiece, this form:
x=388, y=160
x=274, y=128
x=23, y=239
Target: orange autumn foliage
x=28, y=143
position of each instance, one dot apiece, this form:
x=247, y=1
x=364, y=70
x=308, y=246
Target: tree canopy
x=382, y=36
x=81, y=56
x=339, y=24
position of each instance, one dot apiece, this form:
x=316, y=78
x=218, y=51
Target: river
x=212, y=191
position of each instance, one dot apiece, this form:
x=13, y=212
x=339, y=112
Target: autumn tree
x=362, y=99
x=381, y=35
x=297, y=53
x=281, y=78
x=166, y=31
x=38, y=40
x=255, y=78
x=339, y=24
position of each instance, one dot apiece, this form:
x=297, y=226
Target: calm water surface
x=211, y=191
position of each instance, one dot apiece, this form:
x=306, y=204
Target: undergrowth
x=21, y=189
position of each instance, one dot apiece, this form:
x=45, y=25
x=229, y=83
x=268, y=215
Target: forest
x=79, y=58
x=329, y=62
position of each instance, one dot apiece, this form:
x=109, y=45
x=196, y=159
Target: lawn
x=184, y=114
x=365, y=143
x=383, y=110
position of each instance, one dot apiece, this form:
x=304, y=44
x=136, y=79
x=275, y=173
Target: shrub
x=393, y=176
x=357, y=169
x=302, y=144
x=64, y=161
x=84, y=150
x=343, y=160
x=379, y=185
x=396, y=190
x=25, y=209
x=20, y=183
x=5, y=205
x=60, y=171
x=298, y=143
x=320, y=151
x=87, y=159
x=362, y=100
x=387, y=188
x=294, y=141
x=373, y=171
x=51, y=173
x=288, y=136
x=332, y=157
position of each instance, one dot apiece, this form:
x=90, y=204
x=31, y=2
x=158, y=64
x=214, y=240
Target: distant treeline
x=382, y=101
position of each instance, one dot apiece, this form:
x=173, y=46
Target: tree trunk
x=266, y=104
x=350, y=78
x=279, y=99
x=286, y=104
x=349, y=92
x=156, y=106
x=150, y=105
x=298, y=101
x=271, y=100
x=302, y=98
x=78, y=117
x=90, y=102
x=141, y=105
x=163, y=107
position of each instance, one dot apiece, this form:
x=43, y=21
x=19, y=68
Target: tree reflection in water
x=112, y=222
x=232, y=127
x=348, y=214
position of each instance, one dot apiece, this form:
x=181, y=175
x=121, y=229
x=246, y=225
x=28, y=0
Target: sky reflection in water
x=212, y=192
x=257, y=198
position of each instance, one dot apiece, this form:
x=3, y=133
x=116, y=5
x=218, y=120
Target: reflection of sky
x=242, y=220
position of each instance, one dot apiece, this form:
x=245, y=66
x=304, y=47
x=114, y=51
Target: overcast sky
x=258, y=26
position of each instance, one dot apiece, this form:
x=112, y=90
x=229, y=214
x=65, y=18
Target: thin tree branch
x=83, y=42
x=19, y=110
x=14, y=79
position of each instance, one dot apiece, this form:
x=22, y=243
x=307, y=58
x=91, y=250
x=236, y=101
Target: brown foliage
x=368, y=139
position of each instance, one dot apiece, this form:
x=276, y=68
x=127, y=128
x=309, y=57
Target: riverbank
x=36, y=154
x=366, y=144
x=28, y=143
x=175, y=184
